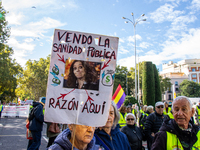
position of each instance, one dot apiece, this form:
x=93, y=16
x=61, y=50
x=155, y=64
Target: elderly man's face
x=83, y=133
x=160, y=109
x=182, y=112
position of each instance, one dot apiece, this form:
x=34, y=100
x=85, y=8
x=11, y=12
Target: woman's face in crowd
x=111, y=117
x=83, y=133
x=130, y=120
x=79, y=70
x=128, y=110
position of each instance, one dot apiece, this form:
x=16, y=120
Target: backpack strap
x=100, y=140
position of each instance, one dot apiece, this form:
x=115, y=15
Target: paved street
x=13, y=134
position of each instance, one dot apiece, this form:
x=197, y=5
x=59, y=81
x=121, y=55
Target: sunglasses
x=159, y=106
x=130, y=119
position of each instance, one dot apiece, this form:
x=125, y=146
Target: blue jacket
x=62, y=142
x=117, y=140
x=37, y=118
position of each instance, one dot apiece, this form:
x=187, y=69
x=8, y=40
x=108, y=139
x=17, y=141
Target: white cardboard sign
x=81, y=78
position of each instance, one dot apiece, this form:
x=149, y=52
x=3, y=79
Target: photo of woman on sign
x=82, y=75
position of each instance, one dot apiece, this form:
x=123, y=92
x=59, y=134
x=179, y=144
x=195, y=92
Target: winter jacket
x=36, y=117
x=62, y=142
x=170, y=126
x=117, y=140
x=152, y=125
x=143, y=120
x=134, y=135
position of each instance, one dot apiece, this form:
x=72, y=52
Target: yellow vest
x=133, y=111
x=198, y=110
x=141, y=111
x=170, y=115
x=122, y=121
x=172, y=142
x=165, y=113
x=1, y=107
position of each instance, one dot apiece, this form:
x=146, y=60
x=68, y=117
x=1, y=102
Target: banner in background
x=81, y=77
x=15, y=111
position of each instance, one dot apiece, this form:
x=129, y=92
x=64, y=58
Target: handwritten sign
x=81, y=78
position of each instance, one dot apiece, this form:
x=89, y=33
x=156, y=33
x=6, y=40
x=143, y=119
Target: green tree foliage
x=165, y=84
x=9, y=69
x=4, y=30
x=130, y=99
x=33, y=83
x=148, y=84
x=120, y=78
x=190, y=88
x=158, y=95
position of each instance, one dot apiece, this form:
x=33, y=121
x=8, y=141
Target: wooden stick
x=73, y=137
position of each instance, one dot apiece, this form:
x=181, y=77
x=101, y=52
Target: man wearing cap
x=197, y=115
x=179, y=133
x=153, y=123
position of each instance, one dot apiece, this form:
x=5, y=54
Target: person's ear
x=193, y=111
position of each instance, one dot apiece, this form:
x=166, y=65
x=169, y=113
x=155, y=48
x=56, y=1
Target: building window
x=194, y=75
x=193, y=69
x=170, y=97
x=176, y=89
x=195, y=80
x=176, y=83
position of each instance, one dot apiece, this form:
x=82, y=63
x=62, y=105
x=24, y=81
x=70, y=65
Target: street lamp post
x=138, y=81
x=134, y=22
x=126, y=85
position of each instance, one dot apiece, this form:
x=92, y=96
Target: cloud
x=20, y=46
x=21, y=50
x=28, y=40
x=36, y=29
x=185, y=48
x=165, y=13
x=145, y=45
x=14, y=18
x=15, y=5
x=45, y=23
x=132, y=39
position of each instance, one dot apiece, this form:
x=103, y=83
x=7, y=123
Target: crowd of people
x=163, y=127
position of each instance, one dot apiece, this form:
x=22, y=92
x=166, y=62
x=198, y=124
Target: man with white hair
x=153, y=123
x=178, y=133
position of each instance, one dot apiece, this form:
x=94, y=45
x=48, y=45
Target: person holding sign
x=80, y=137
x=109, y=136
x=82, y=76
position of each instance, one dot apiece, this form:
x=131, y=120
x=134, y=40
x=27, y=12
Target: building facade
x=186, y=69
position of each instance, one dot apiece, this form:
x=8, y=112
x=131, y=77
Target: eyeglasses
x=159, y=106
x=130, y=119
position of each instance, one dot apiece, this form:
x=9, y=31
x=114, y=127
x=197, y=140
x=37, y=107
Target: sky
x=171, y=31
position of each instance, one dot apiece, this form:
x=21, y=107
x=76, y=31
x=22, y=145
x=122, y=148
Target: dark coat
x=134, y=135
x=36, y=118
x=62, y=142
x=117, y=140
x=160, y=139
x=153, y=124
x=143, y=120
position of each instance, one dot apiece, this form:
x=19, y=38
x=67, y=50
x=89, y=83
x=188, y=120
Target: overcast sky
x=170, y=33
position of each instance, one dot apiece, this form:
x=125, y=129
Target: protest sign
x=81, y=78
